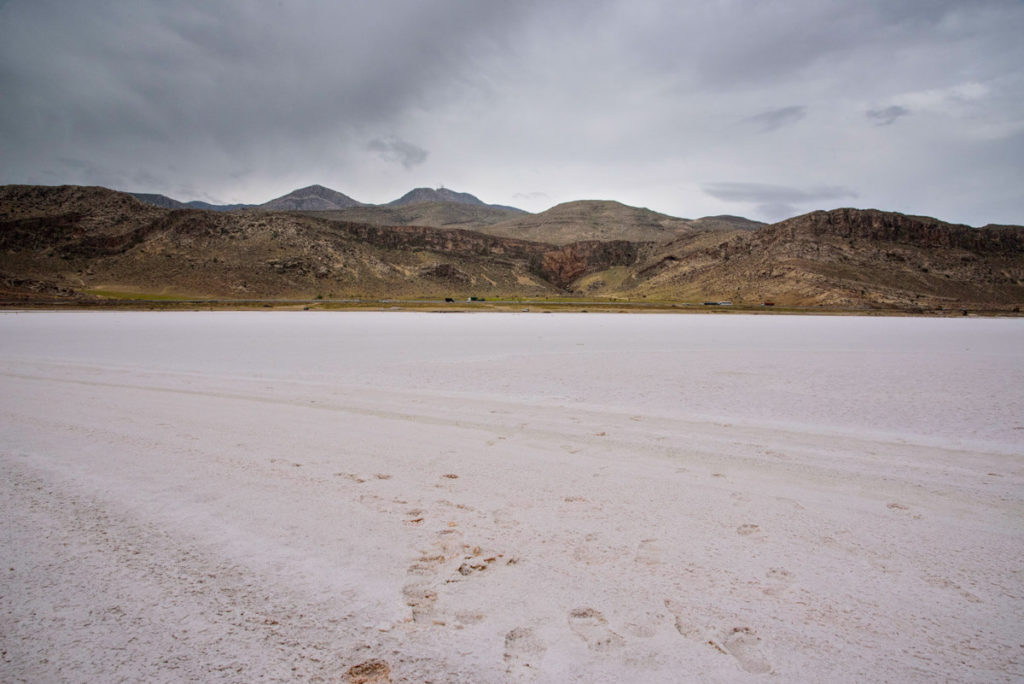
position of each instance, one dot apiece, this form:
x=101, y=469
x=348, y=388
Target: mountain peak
x=315, y=189
x=431, y=195
x=311, y=198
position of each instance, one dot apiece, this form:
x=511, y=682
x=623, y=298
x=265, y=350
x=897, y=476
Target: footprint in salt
x=743, y=644
x=739, y=498
x=648, y=552
x=429, y=571
x=685, y=623
x=589, y=624
x=523, y=648
x=421, y=600
x=371, y=672
x=777, y=582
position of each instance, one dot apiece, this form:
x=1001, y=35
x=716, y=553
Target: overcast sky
x=751, y=107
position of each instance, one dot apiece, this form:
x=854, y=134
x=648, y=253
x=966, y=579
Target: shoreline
x=491, y=306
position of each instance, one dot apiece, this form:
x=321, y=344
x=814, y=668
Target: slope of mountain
x=36, y=212
x=199, y=204
x=166, y=202
x=844, y=257
x=446, y=196
x=436, y=214
x=64, y=241
x=319, y=198
x=726, y=222
x=591, y=220
x=156, y=200
x=311, y=198
x=419, y=195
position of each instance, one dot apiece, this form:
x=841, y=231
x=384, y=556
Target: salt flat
x=498, y=497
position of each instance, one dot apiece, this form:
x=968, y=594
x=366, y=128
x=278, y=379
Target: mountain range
x=444, y=208
x=73, y=243
x=320, y=198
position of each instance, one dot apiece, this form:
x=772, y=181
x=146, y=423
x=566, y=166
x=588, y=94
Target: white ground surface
x=484, y=498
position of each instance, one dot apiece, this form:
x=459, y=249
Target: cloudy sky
x=751, y=107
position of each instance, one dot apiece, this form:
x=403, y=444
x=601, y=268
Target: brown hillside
x=310, y=198
x=726, y=223
x=591, y=220
x=846, y=257
x=435, y=214
x=75, y=240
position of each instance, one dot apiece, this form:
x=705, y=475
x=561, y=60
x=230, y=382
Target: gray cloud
x=777, y=118
x=776, y=201
x=531, y=195
x=228, y=87
x=762, y=192
x=244, y=101
x=765, y=43
x=398, y=150
x=884, y=117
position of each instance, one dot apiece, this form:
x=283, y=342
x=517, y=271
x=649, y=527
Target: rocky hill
x=166, y=202
x=59, y=243
x=310, y=198
x=607, y=220
x=844, y=257
x=320, y=198
x=725, y=222
x=435, y=214
x=72, y=242
x=417, y=195
x=162, y=201
x=446, y=196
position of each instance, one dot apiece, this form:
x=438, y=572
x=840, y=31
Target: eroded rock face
x=560, y=266
x=449, y=240
x=29, y=287
x=563, y=266
x=848, y=258
x=883, y=226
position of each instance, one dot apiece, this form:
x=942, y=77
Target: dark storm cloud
x=397, y=150
x=777, y=201
x=234, y=84
x=244, y=100
x=884, y=117
x=759, y=42
x=777, y=118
